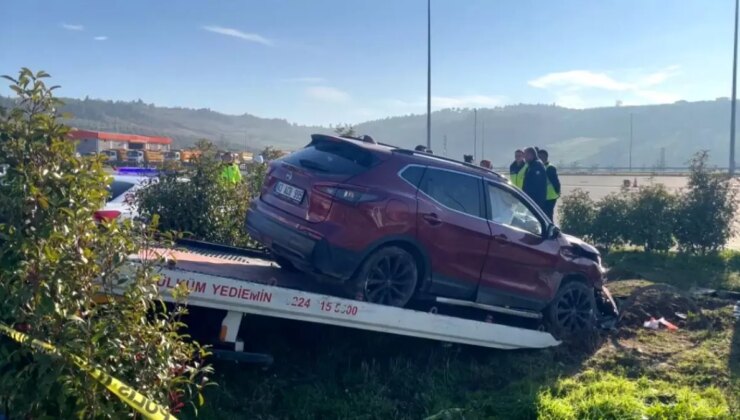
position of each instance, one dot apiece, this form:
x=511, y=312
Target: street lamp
x=734, y=97
x=429, y=74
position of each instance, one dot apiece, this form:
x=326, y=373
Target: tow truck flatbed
x=243, y=285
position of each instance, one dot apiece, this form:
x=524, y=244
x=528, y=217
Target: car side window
x=453, y=190
x=509, y=210
x=412, y=174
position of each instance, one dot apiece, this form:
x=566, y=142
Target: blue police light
x=138, y=171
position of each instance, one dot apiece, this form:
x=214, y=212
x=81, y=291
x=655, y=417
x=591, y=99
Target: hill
x=586, y=138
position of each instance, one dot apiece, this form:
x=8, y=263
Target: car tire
x=388, y=277
x=285, y=264
x=572, y=313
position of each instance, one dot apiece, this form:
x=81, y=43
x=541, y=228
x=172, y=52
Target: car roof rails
x=446, y=159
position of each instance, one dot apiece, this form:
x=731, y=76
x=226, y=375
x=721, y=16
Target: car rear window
x=117, y=188
x=334, y=157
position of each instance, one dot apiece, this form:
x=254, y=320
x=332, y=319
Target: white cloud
x=101, y=38
x=307, y=79
x=584, y=88
x=578, y=79
x=327, y=94
x=69, y=27
x=259, y=39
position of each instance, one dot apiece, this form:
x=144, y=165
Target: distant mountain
x=589, y=137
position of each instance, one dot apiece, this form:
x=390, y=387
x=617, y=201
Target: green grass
x=721, y=271
x=323, y=372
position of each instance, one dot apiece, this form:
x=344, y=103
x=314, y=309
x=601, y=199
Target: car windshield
x=332, y=156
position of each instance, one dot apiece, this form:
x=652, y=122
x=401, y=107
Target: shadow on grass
x=325, y=372
x=734, y=366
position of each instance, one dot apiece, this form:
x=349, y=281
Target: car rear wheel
x=387, y=277
x=572, y=312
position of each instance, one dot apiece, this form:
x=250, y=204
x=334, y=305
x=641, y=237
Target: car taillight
x=107, y=215
x=347, y=195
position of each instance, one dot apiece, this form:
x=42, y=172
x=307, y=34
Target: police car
x=121, y=204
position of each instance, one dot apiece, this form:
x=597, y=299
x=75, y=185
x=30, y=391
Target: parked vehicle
x=135, y=156
x=120, y=204
x=393, y=224
x=110, y=155
x=173, y=156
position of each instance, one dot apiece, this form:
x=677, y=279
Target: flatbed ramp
x=247, y=285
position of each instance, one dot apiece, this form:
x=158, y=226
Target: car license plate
x=290, y=192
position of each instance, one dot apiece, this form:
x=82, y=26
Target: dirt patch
x=656, y=301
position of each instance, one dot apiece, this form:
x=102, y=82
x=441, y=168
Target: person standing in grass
x=553, y=184
x=230, y=172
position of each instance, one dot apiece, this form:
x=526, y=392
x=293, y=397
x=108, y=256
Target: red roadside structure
x=97, y=141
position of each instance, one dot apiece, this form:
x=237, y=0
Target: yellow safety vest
x=231, y=174
x=518, y=178
x=551, y=193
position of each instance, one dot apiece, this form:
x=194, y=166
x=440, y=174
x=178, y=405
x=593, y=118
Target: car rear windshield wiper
x=312, y=165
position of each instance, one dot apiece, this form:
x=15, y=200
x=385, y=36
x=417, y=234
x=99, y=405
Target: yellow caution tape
x=148, y=408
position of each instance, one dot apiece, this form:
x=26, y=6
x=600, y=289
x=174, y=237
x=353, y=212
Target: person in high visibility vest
x=230, y=172
x=534, y=177
x=516, y=166
x=553, y=185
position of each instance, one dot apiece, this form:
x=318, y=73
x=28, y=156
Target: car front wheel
x=387, y=277
x=572, y=312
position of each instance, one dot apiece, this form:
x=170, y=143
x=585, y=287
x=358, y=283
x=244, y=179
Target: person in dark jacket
x=516, y=165
x=535, y=179
x=553, y=184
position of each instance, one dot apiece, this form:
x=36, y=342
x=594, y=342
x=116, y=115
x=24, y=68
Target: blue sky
x=332, y=61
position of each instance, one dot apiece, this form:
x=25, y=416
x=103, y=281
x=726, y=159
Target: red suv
x=393, y=224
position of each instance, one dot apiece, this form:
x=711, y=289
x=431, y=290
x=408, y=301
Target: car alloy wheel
x=389, y=277
x=573, y=310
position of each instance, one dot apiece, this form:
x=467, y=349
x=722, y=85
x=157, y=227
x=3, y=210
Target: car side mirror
x=552, y=232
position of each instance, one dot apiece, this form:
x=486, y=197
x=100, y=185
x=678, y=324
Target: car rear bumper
x=308, y=252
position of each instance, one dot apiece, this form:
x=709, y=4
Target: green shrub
x=577, y=212
x=54, y=260
x=610, y=221
x=652, y=218
x=706, y=213
x=198, y=202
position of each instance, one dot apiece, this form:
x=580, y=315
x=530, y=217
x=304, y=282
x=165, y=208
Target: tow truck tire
x=387, y=277
x=572, y=313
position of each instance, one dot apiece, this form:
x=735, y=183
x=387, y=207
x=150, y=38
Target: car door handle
x=432, y=219
x=502, y=239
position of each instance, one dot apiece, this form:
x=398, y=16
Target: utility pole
x=444, y=146
x=734, y=97
x=483, y=139
x=429, y=74
x=630, y=142
x=475, y=134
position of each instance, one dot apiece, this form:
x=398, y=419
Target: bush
x=577, y=212
x=652, y=218
x=199, y=203
x=706, y=213
x=54, y=260
x=610, y=221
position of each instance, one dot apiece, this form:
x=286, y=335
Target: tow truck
x=240, y=282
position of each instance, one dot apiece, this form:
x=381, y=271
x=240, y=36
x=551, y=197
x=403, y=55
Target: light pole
x=630, y=142
x=475, y=133
x=734, y=98
x=429, y=74
x=483, y=139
